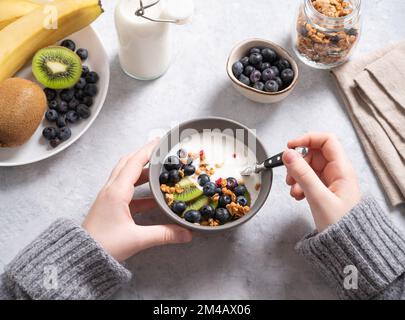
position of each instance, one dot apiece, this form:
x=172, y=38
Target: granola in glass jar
x=327, y=31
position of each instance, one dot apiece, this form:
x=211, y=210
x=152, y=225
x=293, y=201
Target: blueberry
x=49, y=133
x=269, y=55
x=248, y=71
x=79, y=94
x=334, y=39
x=189, y=170
x=276, y=71
x=224, y=200
x=85, y=70
x=207, y=212
x=352, y=32
x=179, y=207
x=240, y=190
x=244, y=79
x=209, y=189
x=92, y=77
x=62, y=107
x=68, y=44
x=222, y=215
x=72, y=105
x=192, y=216
x=174, y=176
x=90, y=90
x=264, y=66
x=287, y=75
x=50, y=94
x=231, y=183
x=53, y=104
x=83, y=111
x=283, y=64
x=303, y=31
x=61, y=121
x=67, y=94
x=81, y=83
x=271, y=86
x=64, y=134
x=182, y=153
x=88, y=101
x=82, y=53
x=164, y=178
x=268, y=74
x=279, y=82
x=51, y=115
x=254, y=50
x=255, y=76
x=242, y=201
x=218, y=190
x=172, y=163
x=72, y=116
x=259, y=86
x=244, y=61
x=203, y=179
x=237, y=68
x=55, y=142
x=255, y=58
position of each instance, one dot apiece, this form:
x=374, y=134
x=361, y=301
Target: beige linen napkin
x=373, y=88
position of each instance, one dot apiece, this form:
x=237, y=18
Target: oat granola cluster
x=326, y=47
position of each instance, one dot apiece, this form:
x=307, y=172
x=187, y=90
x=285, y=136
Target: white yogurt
x=224, y=150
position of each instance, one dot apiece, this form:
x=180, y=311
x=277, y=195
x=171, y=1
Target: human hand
x=110, y=221
x=325, y=177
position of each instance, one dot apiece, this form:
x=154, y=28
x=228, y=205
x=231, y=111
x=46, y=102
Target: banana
x=22, y=38
x=11, y=10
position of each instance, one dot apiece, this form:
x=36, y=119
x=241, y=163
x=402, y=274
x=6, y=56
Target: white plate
x=37, y=148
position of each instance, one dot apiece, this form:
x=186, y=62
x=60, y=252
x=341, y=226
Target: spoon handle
x=277, y=160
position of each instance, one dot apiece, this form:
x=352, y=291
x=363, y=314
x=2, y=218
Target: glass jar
x=325, y=35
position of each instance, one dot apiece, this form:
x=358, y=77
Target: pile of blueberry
x=68, y=106
x=175, y=163
x=264, y=70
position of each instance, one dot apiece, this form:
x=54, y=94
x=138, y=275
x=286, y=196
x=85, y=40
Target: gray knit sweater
x=362, y=257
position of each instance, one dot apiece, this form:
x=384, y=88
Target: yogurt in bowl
x=198, y=181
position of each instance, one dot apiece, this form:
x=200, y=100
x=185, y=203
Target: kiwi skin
x=22, y=108
x=61, y=56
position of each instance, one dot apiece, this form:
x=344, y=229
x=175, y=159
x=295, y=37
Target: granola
x=322, y=43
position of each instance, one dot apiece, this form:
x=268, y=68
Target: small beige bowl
x=239, y=51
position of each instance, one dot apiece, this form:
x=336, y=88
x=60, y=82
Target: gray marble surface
x=254, y=261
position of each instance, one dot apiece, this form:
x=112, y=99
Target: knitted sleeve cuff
x=64, y=262
x=361, y=255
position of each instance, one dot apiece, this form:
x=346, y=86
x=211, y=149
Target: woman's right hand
x=325, y=177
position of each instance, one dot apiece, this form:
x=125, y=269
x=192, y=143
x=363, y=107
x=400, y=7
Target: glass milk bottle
x=143, y=28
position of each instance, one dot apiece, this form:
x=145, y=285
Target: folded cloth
x=375, y=101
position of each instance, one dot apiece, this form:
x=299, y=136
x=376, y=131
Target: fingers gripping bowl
x=212, y=153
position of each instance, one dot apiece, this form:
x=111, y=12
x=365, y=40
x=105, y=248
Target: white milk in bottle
x=143, y=28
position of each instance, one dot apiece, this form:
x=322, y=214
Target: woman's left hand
x=110, y=221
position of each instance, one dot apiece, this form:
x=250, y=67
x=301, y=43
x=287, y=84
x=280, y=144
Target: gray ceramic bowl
x=167, y=143
x=239, y=51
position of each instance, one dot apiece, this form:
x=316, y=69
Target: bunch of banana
x=39, y=28
x=11, y=10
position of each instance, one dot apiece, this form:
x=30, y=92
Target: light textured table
x=254, y=261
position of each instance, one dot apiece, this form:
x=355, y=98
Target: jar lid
x=176, y=11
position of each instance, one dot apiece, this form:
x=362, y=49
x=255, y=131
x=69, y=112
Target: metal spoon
x=273, y=162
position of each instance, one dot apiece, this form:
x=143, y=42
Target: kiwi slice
x=248, y=198
x=190, y=192
x=57, y=67
x=198, y=203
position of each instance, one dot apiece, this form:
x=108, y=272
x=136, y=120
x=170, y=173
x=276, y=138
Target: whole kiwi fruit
x=57, y=67
x=22, y=107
